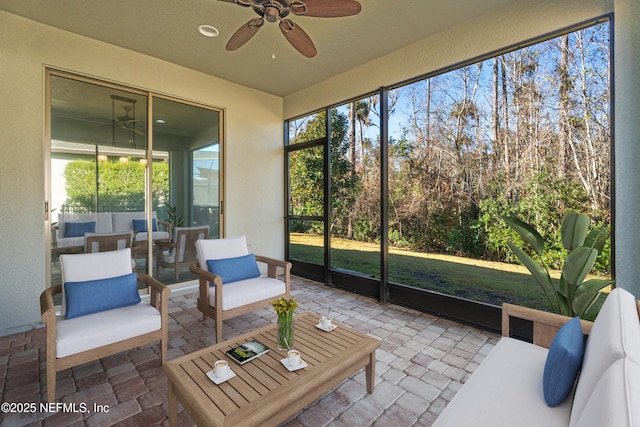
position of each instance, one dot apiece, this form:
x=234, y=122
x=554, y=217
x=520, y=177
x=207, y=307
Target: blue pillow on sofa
x=77, y=229
x=234, y=269
x=563, y=362
x=93, y=296
x=140, y=225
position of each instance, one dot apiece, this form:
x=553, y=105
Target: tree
x=118, y=186
x=307, y=173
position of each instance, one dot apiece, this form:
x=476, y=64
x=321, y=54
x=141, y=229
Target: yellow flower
x=284, y=306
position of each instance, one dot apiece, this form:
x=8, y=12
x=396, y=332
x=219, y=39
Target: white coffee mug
x=325, y=322
x=293, y=357
x=221, y=368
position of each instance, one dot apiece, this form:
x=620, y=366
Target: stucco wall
x=253, y=202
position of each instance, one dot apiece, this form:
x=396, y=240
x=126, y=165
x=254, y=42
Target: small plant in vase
x=284, y=308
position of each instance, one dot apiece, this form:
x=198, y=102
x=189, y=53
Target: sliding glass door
x=121, y=159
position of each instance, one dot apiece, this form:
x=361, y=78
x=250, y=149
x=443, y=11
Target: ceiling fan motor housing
x=271, y=10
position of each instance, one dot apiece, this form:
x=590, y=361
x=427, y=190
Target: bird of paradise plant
x=571, y=295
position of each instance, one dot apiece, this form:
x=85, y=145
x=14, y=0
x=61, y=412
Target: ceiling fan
x=125, y=121
x=278, y=10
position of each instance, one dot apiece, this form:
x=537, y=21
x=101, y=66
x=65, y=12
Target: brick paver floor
x=421, y=363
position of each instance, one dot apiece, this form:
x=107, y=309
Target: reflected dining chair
x=181, y=252
x=103, y=242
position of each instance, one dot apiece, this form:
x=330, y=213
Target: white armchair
x=231, y=283
x=102, y=313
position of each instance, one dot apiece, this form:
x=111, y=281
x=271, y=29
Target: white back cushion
x=615, y=335
x=614, y=401
x=103, y=221
x=220, y=249
x=99, y=265
x=123, y=221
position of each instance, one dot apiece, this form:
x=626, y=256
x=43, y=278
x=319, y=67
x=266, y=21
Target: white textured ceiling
x=167, y=29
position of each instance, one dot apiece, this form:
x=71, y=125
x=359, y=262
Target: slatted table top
x=264, y=392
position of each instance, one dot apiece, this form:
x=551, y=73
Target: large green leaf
x=582, y=305
x=563, y=304
x=527, y=232
x=592, y=286
x=578, y=264
x=563, y=287
x=574, y=230
x=538, y=272
x=597, y=238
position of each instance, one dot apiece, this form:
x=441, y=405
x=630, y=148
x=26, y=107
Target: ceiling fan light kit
x=277, y=11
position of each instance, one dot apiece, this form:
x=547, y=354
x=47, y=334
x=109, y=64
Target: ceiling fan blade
x=325, y=8
x=298, y=38
x=244, y=34
x=240, y=2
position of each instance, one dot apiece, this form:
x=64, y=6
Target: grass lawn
x=486, y=281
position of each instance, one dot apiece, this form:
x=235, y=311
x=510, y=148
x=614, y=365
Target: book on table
x=247, y=351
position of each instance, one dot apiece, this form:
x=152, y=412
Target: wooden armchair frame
x=191, y=235
x=217, y=313
x=545, y=324
x=159, y=296
x=107, y=241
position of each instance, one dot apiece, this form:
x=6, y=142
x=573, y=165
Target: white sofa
x=507, y=388
x=105, y=222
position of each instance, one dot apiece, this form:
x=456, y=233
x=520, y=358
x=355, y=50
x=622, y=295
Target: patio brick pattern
x=421, y=363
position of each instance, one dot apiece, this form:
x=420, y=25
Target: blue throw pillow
x=93, y=296
x=234, y=269
x=563, y=362
x=140, y=225
x=77, y=229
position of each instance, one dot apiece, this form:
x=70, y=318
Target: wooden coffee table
x=264, y=392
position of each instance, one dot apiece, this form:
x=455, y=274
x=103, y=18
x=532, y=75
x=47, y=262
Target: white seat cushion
x=94, y=330
x=123, y=221
x=103, y=221
x=68, y=242
x=157, y=235
x=506, y=390
x=245, y=292
x=169, y=257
